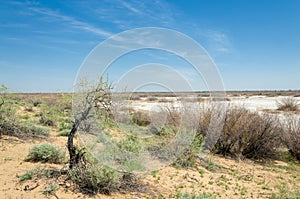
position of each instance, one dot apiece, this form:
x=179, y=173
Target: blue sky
x=255, y=44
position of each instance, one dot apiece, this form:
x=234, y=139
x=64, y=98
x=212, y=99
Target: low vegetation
x=291, y=136
x=11, y=124
x=245, y=135
x=249, y=135
x=94, y=179
x=288, y=104
x=46, y=153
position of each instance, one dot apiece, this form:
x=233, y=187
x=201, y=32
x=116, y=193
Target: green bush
x=10, y=125
x=95, y=179
x=49, y=115
x=131, y=144
x=46, y=153
x=46, y=119
x=64, y=132
x=65, y=124
x=27, y=176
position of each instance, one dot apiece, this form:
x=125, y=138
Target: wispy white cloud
x=130, y=7
x=132, y=14
x=71, y=21
x=223, y=50
x=218, y=36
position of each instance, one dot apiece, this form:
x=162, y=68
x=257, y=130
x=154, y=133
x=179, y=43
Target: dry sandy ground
x=229, y=179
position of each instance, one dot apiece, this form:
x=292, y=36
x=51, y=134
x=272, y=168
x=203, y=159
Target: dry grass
x=288, y=104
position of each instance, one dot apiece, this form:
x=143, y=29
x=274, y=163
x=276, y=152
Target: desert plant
x=288, y=104
x=36, y=172
x=64, y=132
x=291, y=135
x=173, y=115
x=65, y=103
x=36, y=101
x=47, y=116
x=50, y=189
x=152, y=99
x=65, y=124
x=186, y=195
x=248, y=134
x=131, y=144
x=189, y=157
x=10, y=124
x=27, y=176
x=94, y=179
x=45, y=153
x=140, y=118
x=97, y=98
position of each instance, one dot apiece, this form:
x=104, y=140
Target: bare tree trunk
x=71, y=147
x=74, y=154
x=1, y=103
x=98, y=98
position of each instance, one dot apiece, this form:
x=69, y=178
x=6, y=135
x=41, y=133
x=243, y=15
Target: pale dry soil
x=228, y=179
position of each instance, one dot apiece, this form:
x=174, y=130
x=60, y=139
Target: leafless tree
x=97, y=98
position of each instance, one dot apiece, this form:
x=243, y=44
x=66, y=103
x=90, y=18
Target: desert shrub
x=135, y=98
x=140, y=118
x=46, y=153
x=164, y=100
x=10, y=125
x=35, y=131
x=50, y=115
x=205, y=114
x=36, y=172
x=65, y=124
x=291, y=136
x=173, y=116
x=185, y=160
x=27, y=175
x=248, y=134
x=50, y=189
x=64, y=132
x=65, y=103
x=152, y=99
x=189, y=157
x=288, y=104
x=46, y=119
x=36, y=101
x=94, y=179
x=131, y=144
